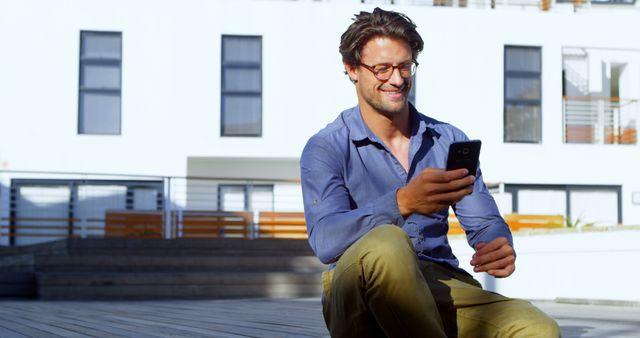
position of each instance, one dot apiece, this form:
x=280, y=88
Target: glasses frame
x=376, y=73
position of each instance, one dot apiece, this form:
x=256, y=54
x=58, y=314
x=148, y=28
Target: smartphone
x=464, y=154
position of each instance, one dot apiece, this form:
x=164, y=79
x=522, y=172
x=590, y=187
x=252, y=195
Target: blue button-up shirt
x=349, y=184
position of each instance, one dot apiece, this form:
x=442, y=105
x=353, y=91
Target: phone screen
x=464, y=154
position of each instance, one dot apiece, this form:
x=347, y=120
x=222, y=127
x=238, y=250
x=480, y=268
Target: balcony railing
x=609, y=120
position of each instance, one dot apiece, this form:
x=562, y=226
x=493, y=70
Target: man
x=376, y=203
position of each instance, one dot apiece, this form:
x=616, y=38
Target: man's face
x=385, y=97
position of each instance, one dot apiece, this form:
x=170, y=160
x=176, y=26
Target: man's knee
x=542, y=326
x=532, y=322
x=387, y=243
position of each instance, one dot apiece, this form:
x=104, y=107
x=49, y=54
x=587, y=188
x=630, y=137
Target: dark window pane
x=242, y=115
x=241, y=49
x=523, y=59
x=101, y=45
x=100, y=77
x=522, y=123
x=522, y=89
x=242, y=80
x=100, y=113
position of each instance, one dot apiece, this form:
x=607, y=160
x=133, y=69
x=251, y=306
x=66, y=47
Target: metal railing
x=543, y=5
x=44, y=206
x=600, y=120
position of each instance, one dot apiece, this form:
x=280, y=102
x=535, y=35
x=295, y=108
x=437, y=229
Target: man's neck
x=393, y=131
x=388, y=128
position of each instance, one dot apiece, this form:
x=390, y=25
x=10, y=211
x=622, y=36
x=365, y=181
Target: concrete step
x=146, y=292
x=142, y=285
x=17, y=284
x=121, y=262
x=156, y=268
x=178, y=247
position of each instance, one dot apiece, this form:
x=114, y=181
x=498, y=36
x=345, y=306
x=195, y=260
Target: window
x=238, y=197
x=100, y=83
x=522, y=94
x=580, y=204
x=49, y=209
x=241, y=99
x=412, y=92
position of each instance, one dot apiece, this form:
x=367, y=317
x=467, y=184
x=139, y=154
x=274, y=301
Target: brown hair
x=367, y=25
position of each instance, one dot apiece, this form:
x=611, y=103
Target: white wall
x=587, y=265
x=171, y=84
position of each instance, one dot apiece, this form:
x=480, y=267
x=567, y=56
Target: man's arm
x=333, y=223
x=486, y=232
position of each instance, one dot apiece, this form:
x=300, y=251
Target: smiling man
x=376, y=202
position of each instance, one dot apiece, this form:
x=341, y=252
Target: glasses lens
x=383, y=71
x=408, y=70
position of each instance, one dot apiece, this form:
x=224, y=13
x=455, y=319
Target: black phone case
x=464, y=154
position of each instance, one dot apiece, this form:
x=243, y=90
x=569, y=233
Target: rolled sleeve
x=479, y=216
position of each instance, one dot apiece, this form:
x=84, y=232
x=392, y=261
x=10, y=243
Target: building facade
x=207, y=105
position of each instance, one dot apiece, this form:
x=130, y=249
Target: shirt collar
x=358, y=130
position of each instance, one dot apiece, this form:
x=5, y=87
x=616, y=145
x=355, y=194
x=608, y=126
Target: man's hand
x=433, y=190
x=496, y=258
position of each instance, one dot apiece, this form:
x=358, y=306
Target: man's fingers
x=496, y=265
x=493, y=256
x=437, y=175
x=453, y=197
x=484, y=255
x=501, y=273
x=456, y=174
x=493, y=245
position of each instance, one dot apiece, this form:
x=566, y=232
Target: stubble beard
x=386, y=107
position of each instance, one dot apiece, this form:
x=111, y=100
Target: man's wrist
x=403, y=203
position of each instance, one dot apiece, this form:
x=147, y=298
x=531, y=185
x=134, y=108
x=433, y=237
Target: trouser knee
x=386, y=244
x=384, y=254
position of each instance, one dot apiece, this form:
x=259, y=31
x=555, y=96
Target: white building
x=157, y=91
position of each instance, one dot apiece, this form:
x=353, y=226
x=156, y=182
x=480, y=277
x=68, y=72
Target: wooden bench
x=519, y=221
x=134, y=223
x=290, y=225
x=516, y=222
x=212, y=224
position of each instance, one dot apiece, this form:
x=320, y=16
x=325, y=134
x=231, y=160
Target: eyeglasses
x=383, y=71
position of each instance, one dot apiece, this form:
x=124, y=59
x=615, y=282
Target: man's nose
x=396, y=79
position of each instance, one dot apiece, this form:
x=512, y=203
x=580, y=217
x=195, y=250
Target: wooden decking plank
x=27, y=330
x=8, y=333
x=43, y=323
x=173, y=329
x=108, y=328
x=265, y=318
x=208, y=324
x=84, y=315
x=163, y=318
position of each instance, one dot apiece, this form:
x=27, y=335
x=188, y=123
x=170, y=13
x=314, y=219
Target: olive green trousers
x=379, y=288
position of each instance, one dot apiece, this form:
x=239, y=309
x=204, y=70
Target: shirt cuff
x=493, y=232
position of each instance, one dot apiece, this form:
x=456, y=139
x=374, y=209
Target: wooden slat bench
x=516, y=222
x=134, y=223
x=291, y=225
x=212, y=224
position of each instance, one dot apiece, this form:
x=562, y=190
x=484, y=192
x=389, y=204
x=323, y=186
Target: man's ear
x=350, y=70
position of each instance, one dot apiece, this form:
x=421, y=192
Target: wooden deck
x=167, y=318
x=244, y=318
